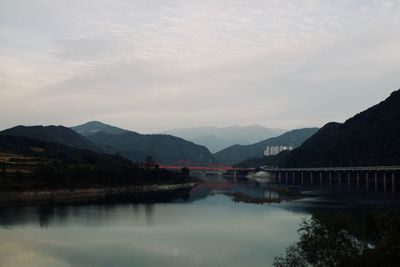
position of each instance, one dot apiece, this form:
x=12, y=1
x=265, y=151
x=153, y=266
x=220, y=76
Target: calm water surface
x=204, y=227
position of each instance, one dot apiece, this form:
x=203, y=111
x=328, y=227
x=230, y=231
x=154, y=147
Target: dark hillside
x=369, y=138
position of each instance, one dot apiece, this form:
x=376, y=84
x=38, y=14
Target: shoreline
x=86, y=194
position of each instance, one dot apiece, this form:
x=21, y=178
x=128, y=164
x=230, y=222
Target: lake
x=205, y=226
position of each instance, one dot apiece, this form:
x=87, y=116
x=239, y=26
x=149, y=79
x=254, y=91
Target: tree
x=336, y=241
x=323, y=242
x=294, y=258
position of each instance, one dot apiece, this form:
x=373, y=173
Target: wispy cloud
x=188, y=63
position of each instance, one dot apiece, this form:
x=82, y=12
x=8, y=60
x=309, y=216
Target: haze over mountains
x=218, y=138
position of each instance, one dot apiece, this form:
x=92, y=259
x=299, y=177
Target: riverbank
x=87, y=193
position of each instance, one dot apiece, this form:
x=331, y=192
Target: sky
x=152, y=65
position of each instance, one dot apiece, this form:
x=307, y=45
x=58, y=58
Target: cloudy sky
x=151, y=65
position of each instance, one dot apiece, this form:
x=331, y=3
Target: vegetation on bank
x=29, y=164
x=338, y=241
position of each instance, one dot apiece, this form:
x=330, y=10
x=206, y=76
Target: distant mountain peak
x=95, y=123
x=93, y=127
x=218, y=138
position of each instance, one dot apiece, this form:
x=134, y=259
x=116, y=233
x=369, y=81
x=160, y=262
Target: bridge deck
x=372, y=168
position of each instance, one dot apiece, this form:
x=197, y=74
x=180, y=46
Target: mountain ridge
x=92, y=127
x=371, y=137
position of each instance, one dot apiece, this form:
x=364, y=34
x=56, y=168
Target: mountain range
x=371, y=137
x=218, y=138
x=100, y=137
x=237, y=153
x=164, y=149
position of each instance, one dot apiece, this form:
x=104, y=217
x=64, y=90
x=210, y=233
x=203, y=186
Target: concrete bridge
x=378, y=178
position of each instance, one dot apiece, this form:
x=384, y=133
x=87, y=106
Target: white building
x=275, y=150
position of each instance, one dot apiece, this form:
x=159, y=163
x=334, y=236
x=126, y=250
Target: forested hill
x=165, y=149
x=30, y=164
x=53, y=134
x=102, y=137
x=238, y=153
x=369, y=138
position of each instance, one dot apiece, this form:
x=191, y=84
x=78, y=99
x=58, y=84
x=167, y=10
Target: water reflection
x=199, y=227
x=97, y=211
x=100, y=208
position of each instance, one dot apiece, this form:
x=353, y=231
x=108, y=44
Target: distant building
x=275, y=150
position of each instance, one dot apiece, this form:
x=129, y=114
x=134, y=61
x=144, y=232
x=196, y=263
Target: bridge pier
x=384, y=182
x=320, y=178
x=379, y=178
x=348, y=179
x=393, y=183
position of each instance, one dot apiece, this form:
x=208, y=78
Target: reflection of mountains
x=46, y=213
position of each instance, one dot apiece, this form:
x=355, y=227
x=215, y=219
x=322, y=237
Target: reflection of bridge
x=376, y=178
x=204, y=168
